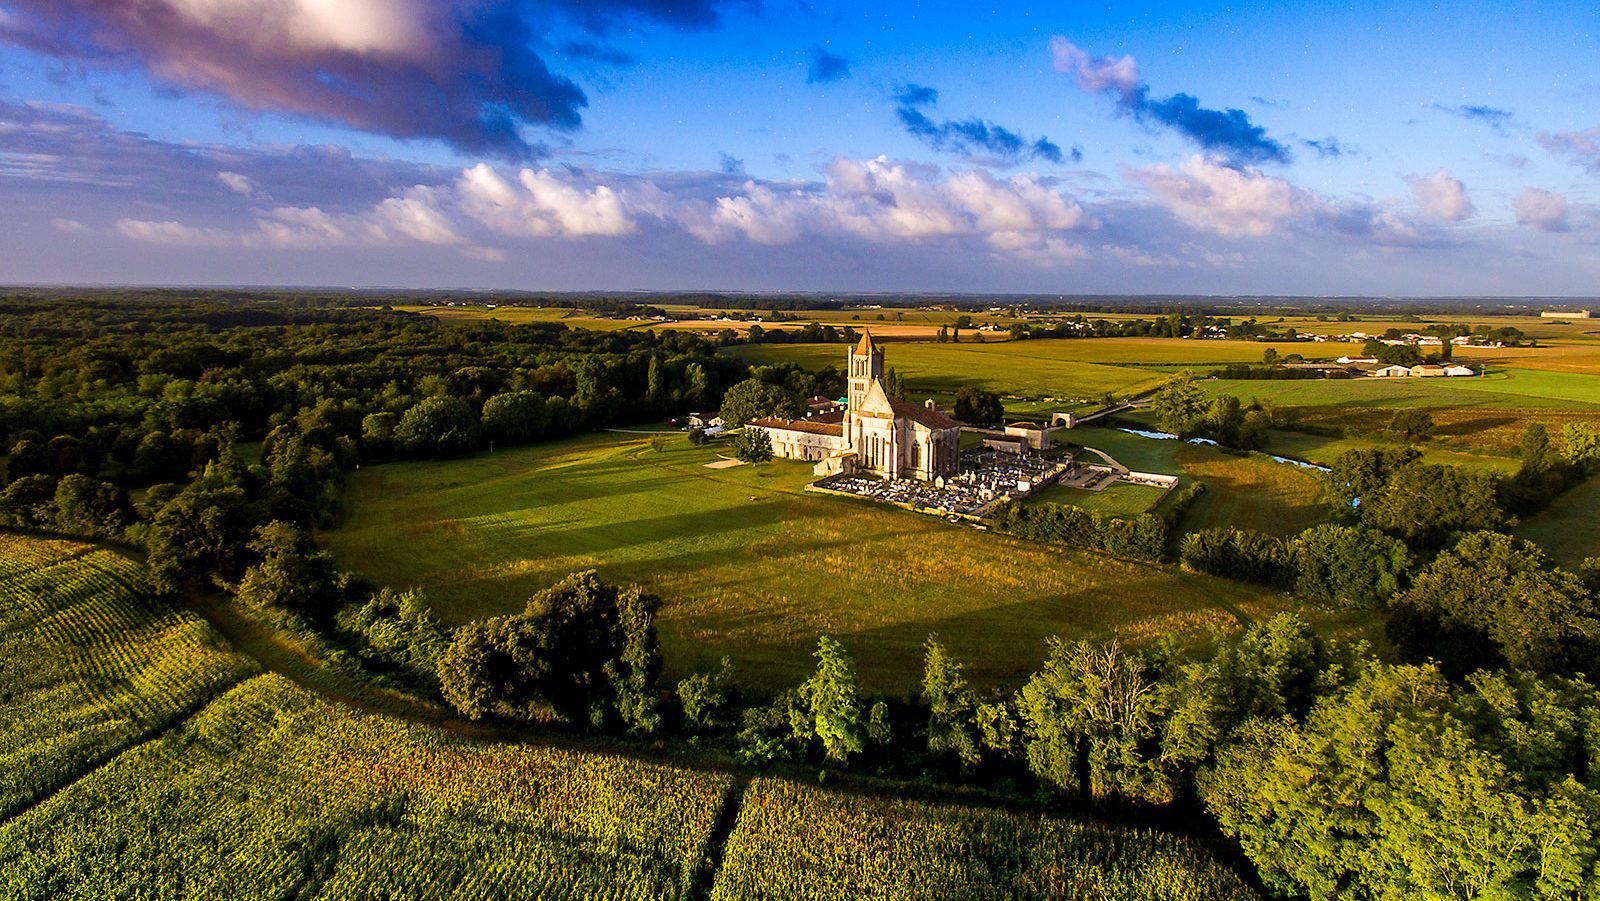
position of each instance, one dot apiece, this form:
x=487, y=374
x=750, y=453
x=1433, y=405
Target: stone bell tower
x=866, y=366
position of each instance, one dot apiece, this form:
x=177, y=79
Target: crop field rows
x=263, y=790
x=89, y=665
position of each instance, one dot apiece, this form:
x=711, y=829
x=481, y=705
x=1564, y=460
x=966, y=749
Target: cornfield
x=89, y=664
x=270, y=793
x=796, y=841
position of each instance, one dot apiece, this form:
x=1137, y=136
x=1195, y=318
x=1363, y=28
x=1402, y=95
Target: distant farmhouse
x=874, y=434
x=1567, y=314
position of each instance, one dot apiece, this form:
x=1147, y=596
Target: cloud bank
x=1226, y=132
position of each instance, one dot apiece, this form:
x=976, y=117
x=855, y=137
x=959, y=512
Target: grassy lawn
x=1117, y=499
x=752, y=567
x=1569, y=529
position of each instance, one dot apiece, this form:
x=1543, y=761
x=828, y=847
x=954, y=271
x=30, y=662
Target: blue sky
x=1296, y=148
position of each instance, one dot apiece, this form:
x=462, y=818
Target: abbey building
x=875, y=433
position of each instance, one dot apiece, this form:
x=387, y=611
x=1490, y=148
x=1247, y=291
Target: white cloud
x=362, y=27
x=418, y=216
x=1096, y=74
x=1442, y=197
x=1211, y=196
x=239, y=184
x=70, y=226
x=1541, y=210
x=175, y=234
x=541, y=205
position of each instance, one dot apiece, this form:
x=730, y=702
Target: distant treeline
x=602, y=301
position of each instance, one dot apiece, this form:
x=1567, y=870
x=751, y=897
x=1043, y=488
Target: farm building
x=1427, y=371
x=1567, y=314
x=1390, y=372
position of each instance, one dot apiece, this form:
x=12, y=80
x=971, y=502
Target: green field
x=1069, y=371
x=753, y=567
x=1117, y=499
x=1323, y=449
x=1501, y=388
x=271, y=793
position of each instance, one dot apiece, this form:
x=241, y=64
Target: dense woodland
x=217, y=436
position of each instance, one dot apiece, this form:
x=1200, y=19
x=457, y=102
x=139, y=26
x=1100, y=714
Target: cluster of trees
x=1329, y=565
x=1182, y=408
x=810, y=333
x=979, y=407
x=582, y=652
x=1143, y=537
x=1246, y=372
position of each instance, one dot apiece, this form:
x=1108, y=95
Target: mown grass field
x=752, y=567
x=796, y=841
x=1570, y=528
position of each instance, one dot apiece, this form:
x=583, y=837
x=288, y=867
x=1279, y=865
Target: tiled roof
x=865, y=345
x=924, y=416
x=801, y=425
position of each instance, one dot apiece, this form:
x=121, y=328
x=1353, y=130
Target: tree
x=1090, y=723
x=1494, y=598
x=754, y=399
x=829, y=708
x=204, y=530
x=1424, y=505
x=1411, y=424
x=27, y=501
x=1341, y=566
x=1538, y=456
x=515, y=417
x=597, y=400
x=978, y=406
x=438, y=427
x=894, y=384
x=1582, y=445
x=293, y=574
x=86, y=506
x=1180, y=406
x=706, y=697
x=752, y=445
x=582, y=651
x=952, y=727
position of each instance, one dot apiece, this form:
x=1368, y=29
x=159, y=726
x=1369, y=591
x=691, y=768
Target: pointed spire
x=866, y=345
